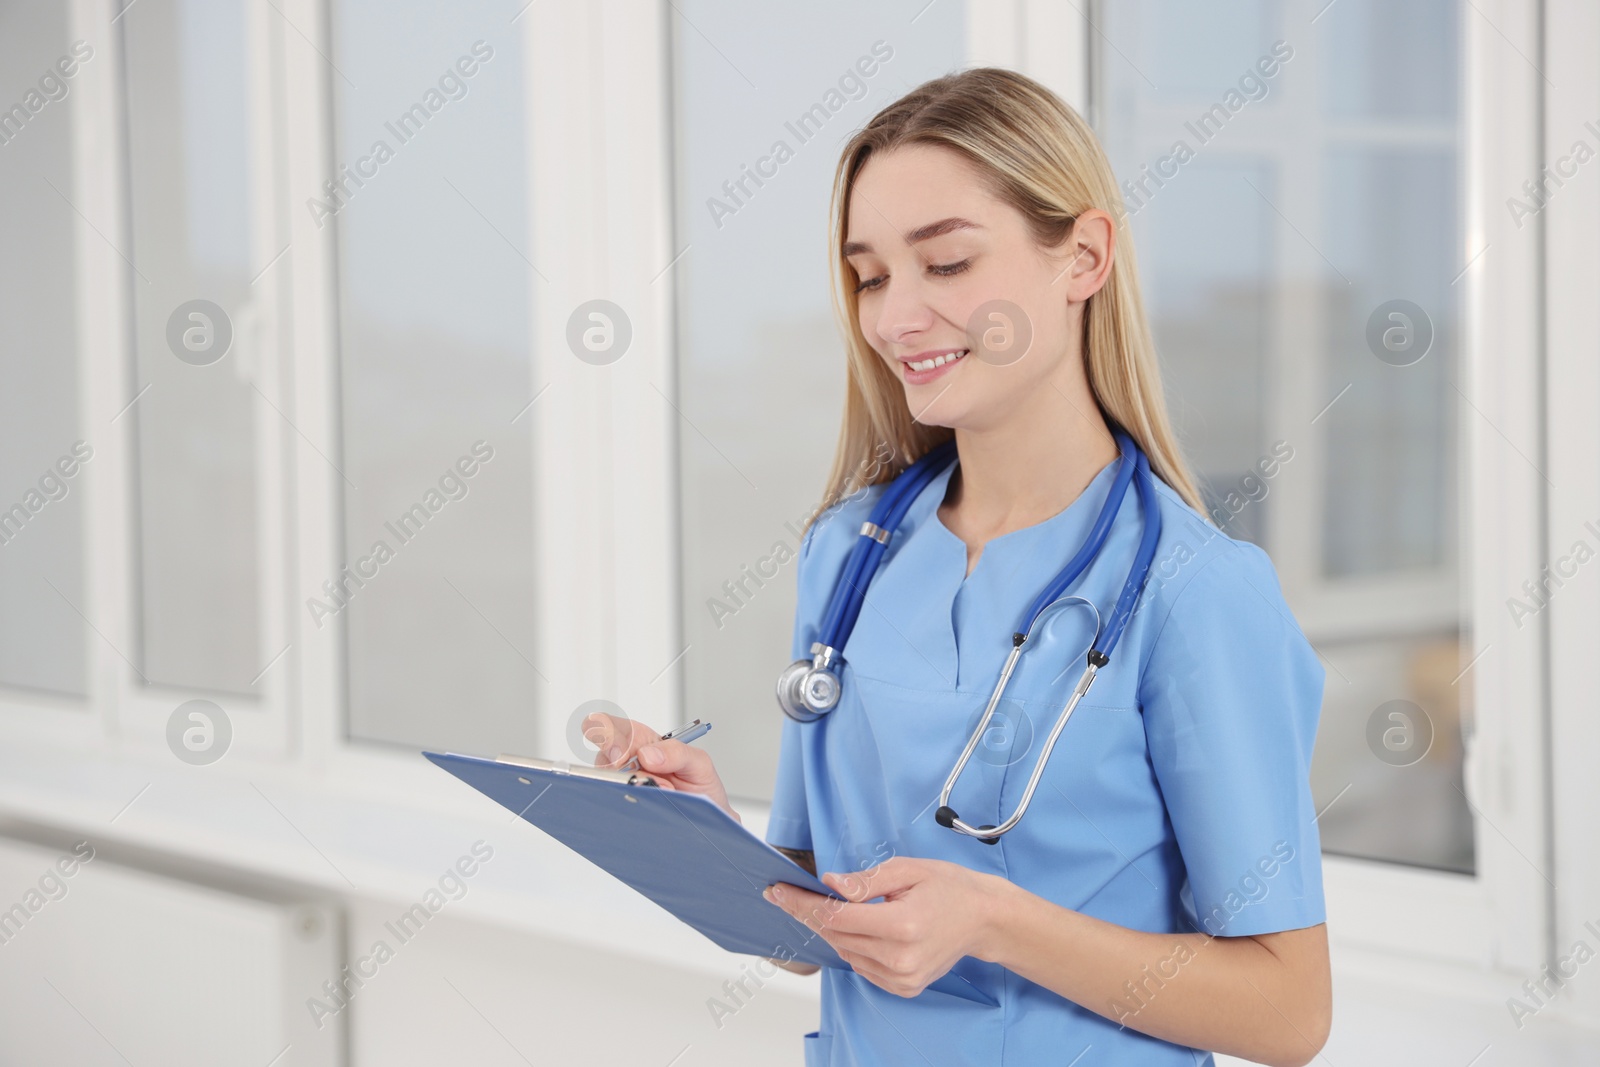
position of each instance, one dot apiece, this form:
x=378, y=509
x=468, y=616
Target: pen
x=686, y=733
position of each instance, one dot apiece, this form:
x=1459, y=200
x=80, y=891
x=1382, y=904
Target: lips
x=932, y=365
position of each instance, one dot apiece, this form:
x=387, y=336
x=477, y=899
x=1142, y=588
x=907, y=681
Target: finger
x=893, y=875
x=871, y=970
x=616, y=738
x=802, y=904
x=851, y=885
x=690, y=765
x=867, y=945
x=609, y=734
x=824, y=914
x=883, y=921
x=788, y=899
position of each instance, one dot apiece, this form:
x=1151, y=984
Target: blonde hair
x=1040, y=157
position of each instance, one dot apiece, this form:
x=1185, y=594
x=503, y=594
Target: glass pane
x=432, y=220
x=1392, y=214
x=198, y=402
x=758, y=437
x=1192, y=48
x=42, y=638
x=1207, y=285
x=1284, y=198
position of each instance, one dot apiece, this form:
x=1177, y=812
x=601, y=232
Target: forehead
x=904, y=188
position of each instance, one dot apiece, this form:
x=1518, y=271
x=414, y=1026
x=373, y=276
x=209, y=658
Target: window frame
x=1571, y=263
x=1498, y=914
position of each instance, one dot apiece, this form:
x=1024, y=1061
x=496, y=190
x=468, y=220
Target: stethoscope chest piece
x=807, y=688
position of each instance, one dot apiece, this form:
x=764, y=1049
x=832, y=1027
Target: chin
x=946, y=411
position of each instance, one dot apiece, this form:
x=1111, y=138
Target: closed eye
x=938, y=270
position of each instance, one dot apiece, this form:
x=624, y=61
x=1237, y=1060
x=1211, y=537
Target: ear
x=1085, y=256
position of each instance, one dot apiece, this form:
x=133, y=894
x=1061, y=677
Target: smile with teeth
x=938, y=361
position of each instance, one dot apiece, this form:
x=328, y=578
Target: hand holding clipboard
x=673, y=842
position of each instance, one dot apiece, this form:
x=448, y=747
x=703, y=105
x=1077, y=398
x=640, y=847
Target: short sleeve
x=1231, y=694
x=789, y=826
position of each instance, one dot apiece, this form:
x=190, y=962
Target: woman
x=1163, y=892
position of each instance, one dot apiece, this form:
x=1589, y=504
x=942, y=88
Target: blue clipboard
x=679, y=849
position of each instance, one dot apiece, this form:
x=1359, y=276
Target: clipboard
x=678, y=849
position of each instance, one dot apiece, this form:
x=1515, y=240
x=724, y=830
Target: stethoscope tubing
x=1099, y=655
x=1131, y=589
x=1091, y=545
x=866, y=552
x=850, y=595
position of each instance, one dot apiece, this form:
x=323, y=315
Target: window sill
x=277, y=825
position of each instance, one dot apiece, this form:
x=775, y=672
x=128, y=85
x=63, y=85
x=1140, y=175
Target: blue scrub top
x=1176, y=799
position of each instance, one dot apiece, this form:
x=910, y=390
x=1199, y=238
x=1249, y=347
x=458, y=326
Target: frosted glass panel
x=761, y=363
x=1393, y=215
x=1210, y=286
x=1288, y=185
x=42, y=638
x=435, y=326
x=198, y=404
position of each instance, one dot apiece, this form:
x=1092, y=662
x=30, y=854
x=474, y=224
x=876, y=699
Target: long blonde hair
x=1040, y=157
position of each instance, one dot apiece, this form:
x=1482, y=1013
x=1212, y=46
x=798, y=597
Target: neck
x=1033, y=463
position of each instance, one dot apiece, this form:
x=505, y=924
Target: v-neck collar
x=1066, y=529
x=925, y=620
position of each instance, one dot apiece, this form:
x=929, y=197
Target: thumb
x=887, y=879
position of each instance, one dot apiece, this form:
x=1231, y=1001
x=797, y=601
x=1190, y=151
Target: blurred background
x=385, y=378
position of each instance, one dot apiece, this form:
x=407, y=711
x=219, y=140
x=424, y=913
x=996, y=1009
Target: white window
x=431, y=206
x=43, y=654
x=377, y=339
x=1309, y=193
x=1295, y=191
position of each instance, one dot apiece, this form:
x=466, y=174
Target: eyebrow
x=921, y=233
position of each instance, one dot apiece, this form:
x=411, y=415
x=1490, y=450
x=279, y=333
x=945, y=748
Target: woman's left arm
x=1263, y=997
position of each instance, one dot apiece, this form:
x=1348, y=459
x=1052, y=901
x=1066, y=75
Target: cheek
x=867, y=322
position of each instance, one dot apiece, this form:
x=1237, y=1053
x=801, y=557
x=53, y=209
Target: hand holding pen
x=668, y=758
x=686, y=733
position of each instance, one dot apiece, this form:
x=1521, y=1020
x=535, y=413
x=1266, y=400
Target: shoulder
x=1219, y=631
x=834, y=529
x=826, y=543
x=1201, y=574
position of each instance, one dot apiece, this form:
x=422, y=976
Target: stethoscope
x=809, y=689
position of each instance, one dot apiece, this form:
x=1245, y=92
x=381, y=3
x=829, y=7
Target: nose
x=902, y=312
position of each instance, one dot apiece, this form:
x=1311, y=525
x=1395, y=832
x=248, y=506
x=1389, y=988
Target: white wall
x=470, y=992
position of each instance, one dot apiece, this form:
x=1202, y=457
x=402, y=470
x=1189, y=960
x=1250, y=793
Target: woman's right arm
x=674, y=765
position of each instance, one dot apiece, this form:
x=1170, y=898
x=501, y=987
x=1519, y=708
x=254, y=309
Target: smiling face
x=933, y=250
